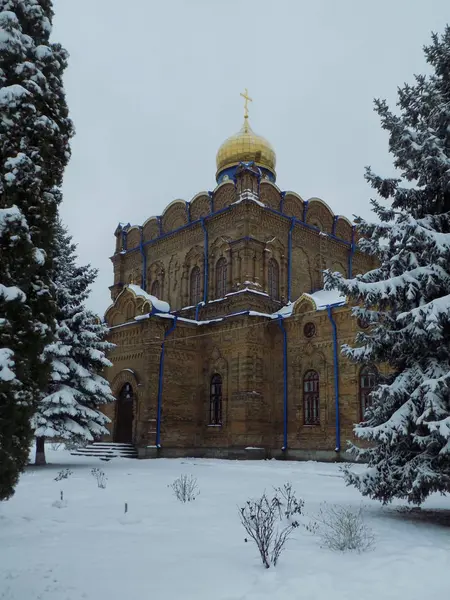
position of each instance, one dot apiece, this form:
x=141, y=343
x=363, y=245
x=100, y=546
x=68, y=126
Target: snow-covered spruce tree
x=69, y=408
x=34, y=150
x=406, y=299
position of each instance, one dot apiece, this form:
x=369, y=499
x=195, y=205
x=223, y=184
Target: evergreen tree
x=406, y=299
x=69, y=409
x=34, y=150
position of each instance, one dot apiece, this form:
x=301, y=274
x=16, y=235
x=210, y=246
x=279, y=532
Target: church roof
x=243, y=147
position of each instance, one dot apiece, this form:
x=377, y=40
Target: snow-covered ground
x=167, y=550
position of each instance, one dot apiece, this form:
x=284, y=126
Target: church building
x=226, y=344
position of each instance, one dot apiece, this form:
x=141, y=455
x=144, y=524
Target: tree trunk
x=40, y=451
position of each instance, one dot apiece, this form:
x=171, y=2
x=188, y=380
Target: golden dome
x=246, y=146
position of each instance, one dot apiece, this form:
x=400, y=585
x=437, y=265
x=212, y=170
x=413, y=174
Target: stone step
x=107, y=450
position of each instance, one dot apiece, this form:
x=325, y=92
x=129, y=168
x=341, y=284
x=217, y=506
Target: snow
x=159, y=305
x=8, y=294
x=251, y=196
x=43, y=52
x=10, y=215
x=10, y=94
x=86, y=548
x=6, y=364
x=39, y=256
x=324, y=298
x=247, y=289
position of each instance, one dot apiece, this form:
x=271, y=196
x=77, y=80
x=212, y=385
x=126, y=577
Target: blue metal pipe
x=285, y=385
x=205, y=260
x=352, y=252
x=290, y=258
x=197, y=309
x=336, y=378
x=283, y=196
x=160, y=383
x=144, y=260
x=333, y=227
x=305, y=210
x=188, y=211
x=211, y=202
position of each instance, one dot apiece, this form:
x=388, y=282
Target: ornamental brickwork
x=229, y=263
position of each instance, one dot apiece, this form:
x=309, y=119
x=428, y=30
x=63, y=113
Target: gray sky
x=153, y=89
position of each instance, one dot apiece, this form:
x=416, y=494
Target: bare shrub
x=63, y=474
x=262, y=519
x=185, y=488
x=287, y=502
x=342, y=528
x=100, y=476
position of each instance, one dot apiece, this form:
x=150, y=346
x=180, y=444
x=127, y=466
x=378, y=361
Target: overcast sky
x=153, y=89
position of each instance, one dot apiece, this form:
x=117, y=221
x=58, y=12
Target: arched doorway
x=123, y=432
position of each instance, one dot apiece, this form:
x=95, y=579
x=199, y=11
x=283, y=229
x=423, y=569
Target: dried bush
x=185, y=488
x=342, y=528
x=262, y=519
x=100, y=476
x=287, y=502
x=63, y=474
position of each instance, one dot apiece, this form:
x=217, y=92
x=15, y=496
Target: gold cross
x=247, y=98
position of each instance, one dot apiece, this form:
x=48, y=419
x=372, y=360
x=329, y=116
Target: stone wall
x=246, y=350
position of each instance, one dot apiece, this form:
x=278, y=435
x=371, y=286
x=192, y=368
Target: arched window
x=368, y=377
x=215, y=400
x=195, y=286
x=221, y=278
x=274, y=279
x=311, y=398
x=155, y=289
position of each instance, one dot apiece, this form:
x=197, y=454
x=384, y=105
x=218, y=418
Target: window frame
x=216, y=400
x=221, y=277
x=273, y=279
x=367, y=371
x=311, y=398
x=195, y=292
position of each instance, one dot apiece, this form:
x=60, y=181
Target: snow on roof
x=248, y=195
x=285, y=311
x=321, y=299
x=247, y=289
x=159, y=305
x=324, y=298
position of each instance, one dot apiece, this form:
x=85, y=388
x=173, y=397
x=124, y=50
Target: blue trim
x=231, y=172
x=188, y=211
x=229, y=208
x=160, y=383
x=305, y=210
x=211, y=202
x=206, y=261
x=197, y=309
x=144, y=260
x=285, y=385
x=159, y=221
x=290, y=258
x=333, y=227
x=283, y=196
x=352, y=252
x=336, y=378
